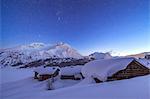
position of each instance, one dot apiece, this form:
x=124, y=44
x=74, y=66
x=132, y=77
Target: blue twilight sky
x=120, y=26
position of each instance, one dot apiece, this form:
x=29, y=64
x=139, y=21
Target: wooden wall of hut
x=71, y=77
x=134, y=69
x=44, y=77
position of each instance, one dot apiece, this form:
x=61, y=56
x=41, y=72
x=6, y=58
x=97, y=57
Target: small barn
x=71, y=72
x=114, y=69
x=42, y=73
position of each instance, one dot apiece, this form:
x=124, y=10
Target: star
x=39, y=35
x=59, y=18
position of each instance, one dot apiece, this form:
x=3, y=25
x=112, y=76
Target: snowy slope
x=28, y=88
x=36, y=51
x=10, y=74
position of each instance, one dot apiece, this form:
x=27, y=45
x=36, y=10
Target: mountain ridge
x=36, y=51
x=138, y=55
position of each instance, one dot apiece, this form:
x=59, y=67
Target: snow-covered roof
x=145, y=62
x=105, y=67
x=71, y=70
x=47, y=70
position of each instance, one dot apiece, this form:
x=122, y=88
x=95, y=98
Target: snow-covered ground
x=23, y=86
x=12, y=74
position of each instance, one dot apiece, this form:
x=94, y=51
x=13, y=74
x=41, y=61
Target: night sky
x=120, y=26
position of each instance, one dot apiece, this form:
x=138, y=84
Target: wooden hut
x=115, y=69
x=45, y=73
x=71, y=72
x=133, y=69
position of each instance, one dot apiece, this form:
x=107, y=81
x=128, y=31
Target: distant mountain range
x=36, y=51
x=37, y=54
x=140, y=55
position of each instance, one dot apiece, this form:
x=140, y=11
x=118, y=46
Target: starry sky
x=118, y=26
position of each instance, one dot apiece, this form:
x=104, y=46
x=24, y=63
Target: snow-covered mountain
x=36, y=51
x=98, y=55
x=139, y=55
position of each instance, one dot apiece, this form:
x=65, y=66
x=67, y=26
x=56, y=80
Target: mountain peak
x=99, y=55
x=32, y=46
x=36, y=51
x=62, y=44
x=36, y=44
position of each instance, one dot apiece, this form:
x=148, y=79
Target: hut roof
x=144, y=62
x=104, y=68
x=71, y=70
x=47, y=70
